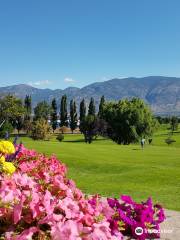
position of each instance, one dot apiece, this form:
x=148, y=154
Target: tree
x=92, y=108
x=163, y=120
x=6, y=128
x=40, y=130
x=128, y=120
x=101, y=107
x=82, y=111
x=174, y=124
x=73, y=115
x=54, y=114
x=28, y=107
x=28, y=111
x=27, y=126
x=88, y=128
x=92, y=126
x=42, y=111
x=19, y=124
x=63, y=111
x=10, y=108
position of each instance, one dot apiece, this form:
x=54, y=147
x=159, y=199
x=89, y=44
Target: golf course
x=110, y=169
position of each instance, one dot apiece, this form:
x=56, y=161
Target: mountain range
x=161, y=93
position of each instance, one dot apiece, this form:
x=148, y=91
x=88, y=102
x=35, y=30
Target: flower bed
x=38, y=201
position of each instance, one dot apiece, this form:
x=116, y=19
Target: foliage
x=6, y=127
x=82, y=111
x=150, y=140
x=73, y=115
x=19, y=123
x=60, y=137
x=92, y=108
x=28, y=107
x=11, y=108
x=92, y=126
x=39, y=202
x=40, y=130
x=169, y=141
x=63, y=111
x=101, y=107
x=54, y=114
x=174, y=124
x=128, y=120
x=88, y=127
x=163, y=120
x=42, y=110
x=27, y=126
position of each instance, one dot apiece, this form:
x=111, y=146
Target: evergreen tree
x=28, y=107
x=42, y=110
x=101, y=107
x=73, y=115
x=82, y=111
x=54, y=114
x=92, y=109
x=63, y=111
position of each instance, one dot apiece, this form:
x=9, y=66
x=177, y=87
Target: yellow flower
x=8, y=167
x=2, y=159
x=6, y=147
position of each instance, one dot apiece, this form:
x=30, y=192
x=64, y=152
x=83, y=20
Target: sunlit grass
x=110, y=169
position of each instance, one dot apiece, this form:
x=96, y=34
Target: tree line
x=20, y=114
x=123, y=121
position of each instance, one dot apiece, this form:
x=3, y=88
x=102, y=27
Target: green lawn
x=110, y=169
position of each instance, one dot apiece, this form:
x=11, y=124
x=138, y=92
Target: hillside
x=161, y=93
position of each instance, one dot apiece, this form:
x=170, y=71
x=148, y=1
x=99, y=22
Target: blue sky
x=61, y=43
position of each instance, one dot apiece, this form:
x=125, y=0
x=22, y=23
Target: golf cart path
x=170, y=228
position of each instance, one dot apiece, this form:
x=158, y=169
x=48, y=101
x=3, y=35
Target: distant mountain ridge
x=161, y=93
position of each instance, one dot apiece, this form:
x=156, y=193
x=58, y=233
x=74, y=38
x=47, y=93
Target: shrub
x=150, y=140
x=169, y=141
x=27, y=126
x=40, y=130
x=6, y=127
x=60, y=137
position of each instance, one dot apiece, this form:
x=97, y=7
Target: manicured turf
x=110, y=169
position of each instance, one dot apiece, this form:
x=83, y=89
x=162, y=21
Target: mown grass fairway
x=110, y=169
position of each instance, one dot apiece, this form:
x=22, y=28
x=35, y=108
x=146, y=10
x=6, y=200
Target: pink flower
x=65, y=231
x=18, y=210
x=88, y=219
x=39, y=199
x=27, y=234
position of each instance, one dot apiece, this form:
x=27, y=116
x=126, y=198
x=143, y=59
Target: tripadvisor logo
x=139, y=231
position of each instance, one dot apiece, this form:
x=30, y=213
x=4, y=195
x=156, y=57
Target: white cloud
x=69, y=80
x=40, y=83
